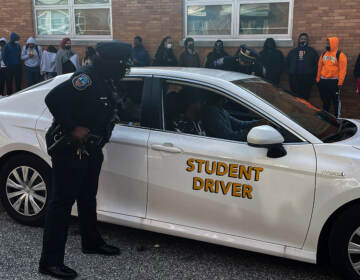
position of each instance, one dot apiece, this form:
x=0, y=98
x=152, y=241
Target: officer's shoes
x=60, y=272
x=105, y=249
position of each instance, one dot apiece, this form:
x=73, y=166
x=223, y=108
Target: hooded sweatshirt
x=36, y=51
x=12, y=51
x=2, y=64
x=329, y=67
x=63, y=56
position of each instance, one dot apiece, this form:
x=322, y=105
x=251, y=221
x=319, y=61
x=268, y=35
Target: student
x=31, y=55
x=302, y=63
x=66, y=58
x=139, y=54
x=331, y=75
x=11, y=56
x=189, y=58
x=89, y=55
x=272, y=60
x=4, y=74
x=217, y=53
x=48, y=63
x=165, y=55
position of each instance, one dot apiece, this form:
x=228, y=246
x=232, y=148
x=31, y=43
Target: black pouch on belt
x=57, y=141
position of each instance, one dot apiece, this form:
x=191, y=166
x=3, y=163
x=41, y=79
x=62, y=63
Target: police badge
x=81, y=82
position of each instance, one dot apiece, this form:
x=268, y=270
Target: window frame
x=71, y=7
x=235, y=20
x=225, y=93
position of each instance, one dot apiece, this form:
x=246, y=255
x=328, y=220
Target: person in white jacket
x=31, y=55
x=48, y=63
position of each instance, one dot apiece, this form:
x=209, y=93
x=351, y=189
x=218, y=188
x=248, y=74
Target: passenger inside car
x=189, y=119
x=220, y=124
x=129, y=102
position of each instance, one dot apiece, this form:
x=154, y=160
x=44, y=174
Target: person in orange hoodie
x=331, y=75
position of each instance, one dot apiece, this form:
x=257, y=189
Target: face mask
x=169, y=46
x=16, y=42
x=327, y=48
x=68, y=47
x=303, y=44
x=191, y=47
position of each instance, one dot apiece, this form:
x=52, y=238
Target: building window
x=77, y=19
x=238, y=19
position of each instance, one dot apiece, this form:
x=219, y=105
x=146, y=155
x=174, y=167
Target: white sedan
x=289, y=187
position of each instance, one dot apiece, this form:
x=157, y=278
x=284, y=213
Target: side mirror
x=266, y=136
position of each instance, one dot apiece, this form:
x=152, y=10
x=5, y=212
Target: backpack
x=36, y=48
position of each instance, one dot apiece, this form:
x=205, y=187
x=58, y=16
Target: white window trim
x=71, y=6
x=235, y=36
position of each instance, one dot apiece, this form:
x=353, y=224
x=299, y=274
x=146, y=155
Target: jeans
x=32, y=75
x=4, y=80
x=301, y=85
x=329, y=94
x=15, y=72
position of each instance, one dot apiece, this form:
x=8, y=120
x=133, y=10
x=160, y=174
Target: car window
x=129, y=101
x=197, y=110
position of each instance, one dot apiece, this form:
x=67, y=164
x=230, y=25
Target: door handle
x=166, y=147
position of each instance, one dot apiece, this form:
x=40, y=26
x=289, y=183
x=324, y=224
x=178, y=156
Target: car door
x=230, y=187
x=123, y=178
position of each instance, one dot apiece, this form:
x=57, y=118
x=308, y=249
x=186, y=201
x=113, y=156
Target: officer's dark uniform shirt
x=84, y=100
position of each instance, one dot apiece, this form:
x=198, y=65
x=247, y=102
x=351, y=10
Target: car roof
x=188, y=72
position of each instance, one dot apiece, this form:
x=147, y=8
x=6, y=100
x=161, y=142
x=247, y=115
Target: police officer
x=84, y=111
x=246, y=60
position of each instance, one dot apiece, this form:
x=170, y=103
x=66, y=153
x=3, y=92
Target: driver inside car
x=189, y=119
x=220, y=124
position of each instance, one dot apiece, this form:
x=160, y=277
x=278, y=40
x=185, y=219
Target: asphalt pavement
x=145, y=256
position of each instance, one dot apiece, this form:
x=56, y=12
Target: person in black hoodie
x=302, y=63
x=189, y=58
x=165, y=55
x=357, y=74
x=11, y=56
x=217, y=53
x=273, y=61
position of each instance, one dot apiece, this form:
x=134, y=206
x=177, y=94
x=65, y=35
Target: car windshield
x=318, y=122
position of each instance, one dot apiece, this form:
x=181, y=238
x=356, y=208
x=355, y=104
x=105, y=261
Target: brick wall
x=154, y=19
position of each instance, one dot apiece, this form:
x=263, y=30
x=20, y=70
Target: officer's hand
x=80, y=133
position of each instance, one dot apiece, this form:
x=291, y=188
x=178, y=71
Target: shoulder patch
x=81, y=82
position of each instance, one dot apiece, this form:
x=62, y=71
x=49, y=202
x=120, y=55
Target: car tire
x=343, y=254
x=25, y=187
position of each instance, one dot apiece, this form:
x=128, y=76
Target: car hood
x=354, y=140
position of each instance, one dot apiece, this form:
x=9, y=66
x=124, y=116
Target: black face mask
x=191, y=47
x=327, y=48
x=67, y=47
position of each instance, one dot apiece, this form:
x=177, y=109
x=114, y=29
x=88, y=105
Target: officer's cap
x=114, y=50
x=247, y=54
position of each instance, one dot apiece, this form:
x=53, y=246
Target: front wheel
x=25, y=189
x=344, y=243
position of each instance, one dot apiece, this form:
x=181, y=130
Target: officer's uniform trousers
x=73, y=179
